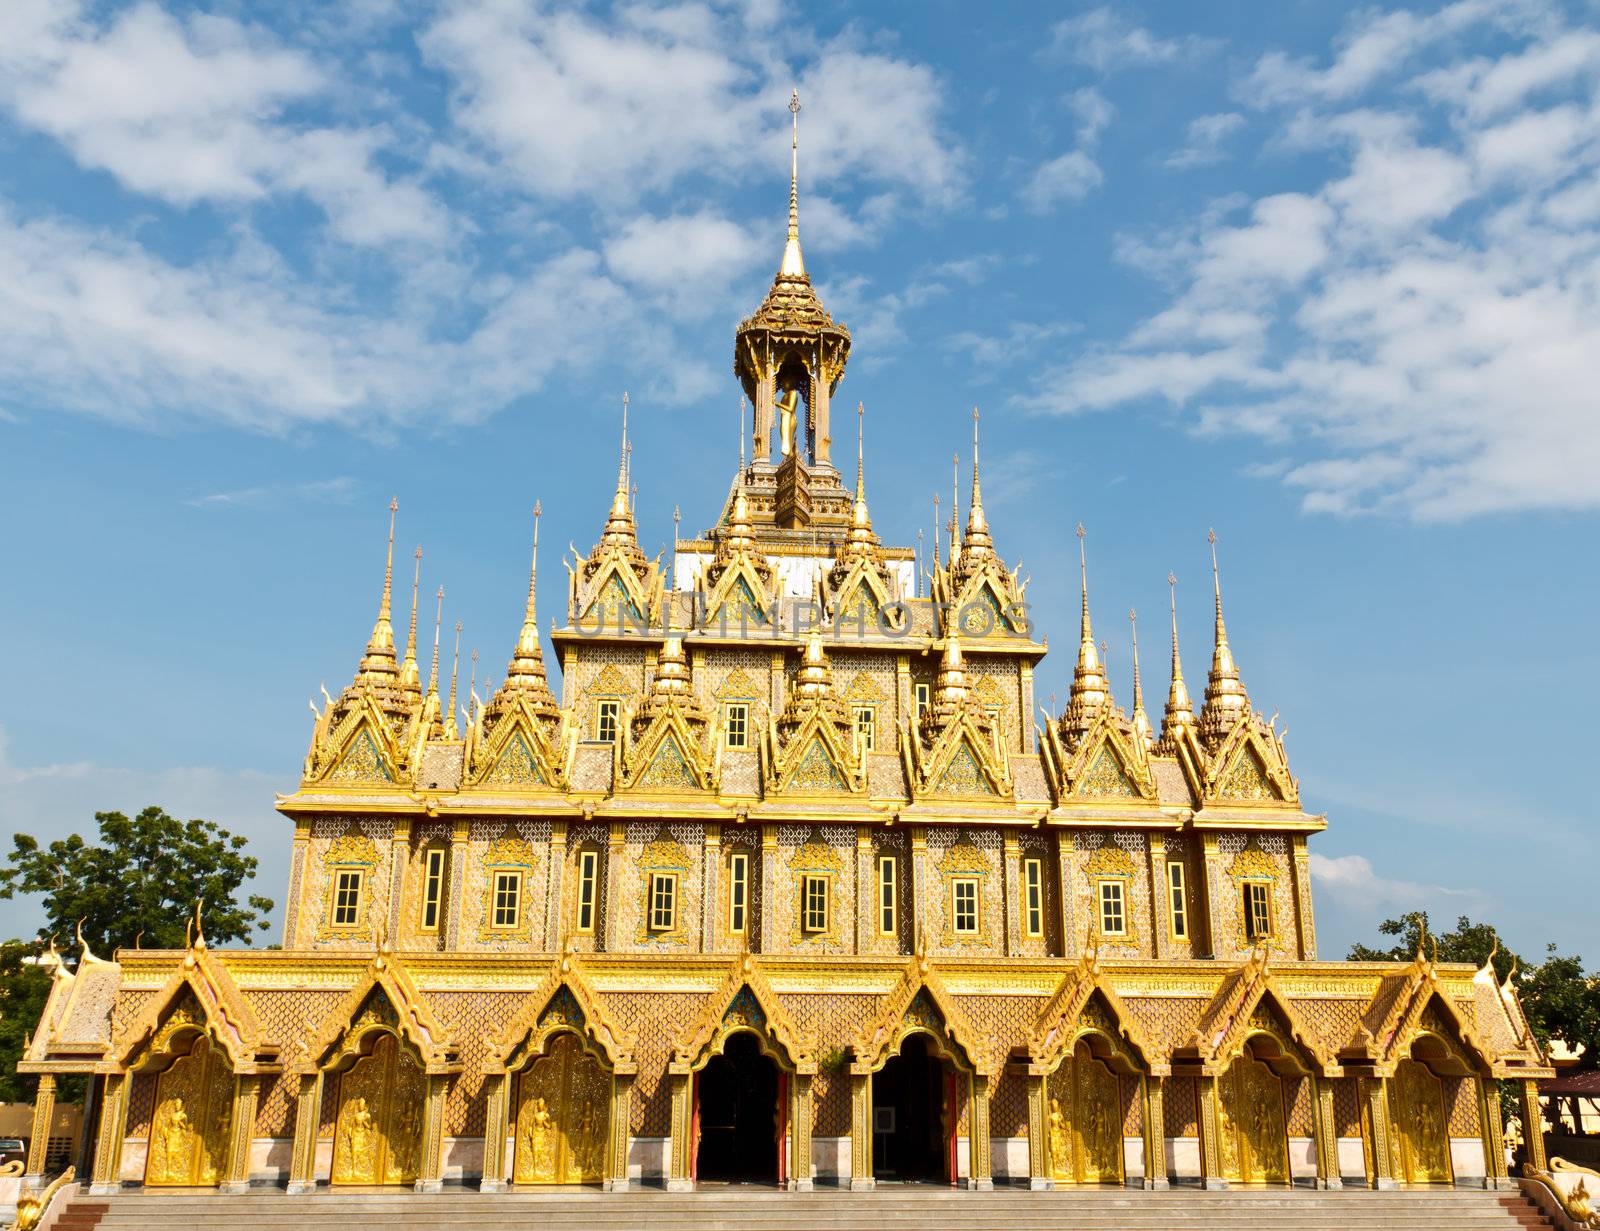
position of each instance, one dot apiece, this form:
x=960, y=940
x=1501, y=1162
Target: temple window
x=432, y=887
x=1180, y=901
x=738, y=892
x=347, y=886
x=1257, y=910
x=736, y=724
x=588, y=888
x=814, y=904
x=964, y=905
x=507, y=912
x=866, y=724
x=607, y=711
x=1033, y=896
x=888, y=903
x=663, y=901
x=924, y=698
x=1113, y=913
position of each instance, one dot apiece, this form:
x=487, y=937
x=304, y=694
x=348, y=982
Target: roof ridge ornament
x=1226, y=699
x=794, y=265
x=1179, y=715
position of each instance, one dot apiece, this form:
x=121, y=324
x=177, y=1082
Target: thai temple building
x=763, y=866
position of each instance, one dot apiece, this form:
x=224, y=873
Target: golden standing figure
x=788, y=420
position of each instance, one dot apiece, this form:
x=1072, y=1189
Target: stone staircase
x=755, y=1209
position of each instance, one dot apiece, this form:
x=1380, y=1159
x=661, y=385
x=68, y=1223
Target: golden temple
x=787, y=885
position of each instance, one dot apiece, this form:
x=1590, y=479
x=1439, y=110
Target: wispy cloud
x=1203, y=143
x=1107, y=40
x=1355, y=885
x=341, y=490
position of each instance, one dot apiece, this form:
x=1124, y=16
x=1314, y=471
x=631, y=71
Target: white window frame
x=742, y=709
x=588, y=891
x=738, y=893
x=1178, y=899
x=607, y=709
x=816, y=906
x=970, y=885
x=337, y=906
x=1250, y=890
x=1033, y=896
x=663, y=903
x=1111, y=891
x=433, y=872
x=864, y=723
x=506, y=887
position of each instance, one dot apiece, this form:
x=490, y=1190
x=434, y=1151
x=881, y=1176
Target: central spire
x=1091, y=691
x=794, y=265
x=1226, y=699
x=1180, y=711
x=379, y=659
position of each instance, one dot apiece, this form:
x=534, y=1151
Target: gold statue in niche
x=563, y=1116
x=788, y=420
x=1254, y=1140
x=193, y=1111
x=1416, y=1111
x=1087, y=1147
x=377, y=1136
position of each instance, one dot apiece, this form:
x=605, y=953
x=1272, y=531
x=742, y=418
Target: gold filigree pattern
x=1105, y=777
x=515, y=766
x=962, y=775
x=1247, y=779
x=817, y=772
x=563, y=1116
x=361, y=762
x=378, y=1130
x=193, y=1112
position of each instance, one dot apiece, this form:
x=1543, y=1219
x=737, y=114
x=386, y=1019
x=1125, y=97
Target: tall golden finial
x=379, y=659
x=1226, y=699
x=955, y=508
x=936, y=529
x=472, y=689
x=794, y=265
x=861, y=453
x=677, y=518
x=409, y=678
x=922, y=571
x=976, y=544
x=741, y=439
x=450, y=729
x=526, y=669
x=438, y=619
x=1141, y=720
x=1180, y=711
x=1091, y=691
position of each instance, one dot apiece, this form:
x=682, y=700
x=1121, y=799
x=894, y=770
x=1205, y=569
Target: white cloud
x=1067, y=177
x=1417, y=332
x=686, y=254
x=1203, y=143
x=195, y=111
x=1104, y=40
x=52, y=801
x=340, y=490
x=1351, y=881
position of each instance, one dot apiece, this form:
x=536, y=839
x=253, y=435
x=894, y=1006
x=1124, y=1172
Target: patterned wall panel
x=1180, y=849
x=678, y=847
x=1244, y=855
x=1297, y=1098
x=828, y=851
x=1180, y=1107
x=582, y=837
x=658, y=1019
x=1132, y=1089
x=747, y=841
x=603, y=670
x=890, y=842
x=474, y=1020
x=1121, y=856
x=1461, y=1099
x=523, y=846
x=997, y=682
x=141, y=1104
x=959, y=852
x=425, y=836
x=331, y=838
x=1040, y=846
x=1008, y=1104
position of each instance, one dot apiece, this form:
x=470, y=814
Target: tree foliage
x=23, y=990
x=1561, y=1001
x=142, y=876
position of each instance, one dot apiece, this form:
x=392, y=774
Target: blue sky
x=1326, y=278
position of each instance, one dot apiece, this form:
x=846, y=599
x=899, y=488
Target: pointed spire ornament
x=379, y=663
x=451, y=731
x=409, y=677
x=976, y=543
x=1179, y=715
x=794, y=265
x=1141, y=720
x=433, y=671
x=1226, y=700
x=955, y=508
x=936, y=530
x=619, y=525
x=861, y=539
x=1091, y=691
x=526, y=670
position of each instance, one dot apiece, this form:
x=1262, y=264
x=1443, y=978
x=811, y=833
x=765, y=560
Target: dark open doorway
x=737, y=1105
x=910, y=1138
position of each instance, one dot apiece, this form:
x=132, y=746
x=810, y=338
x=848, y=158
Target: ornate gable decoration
x=740, y=596
x=1250, y=1002
x=1107, y=764
x=744, y=1001
x=963, y=762
x=518, y=750
x=988, y=603
x=384, y=996
x=565, y=1000
x=360, y=748
x=1250, y=767
x=920, y=1003
x=1085, y=1001
x=200, y=993
x=616, y=588
x=1411, y=1005
x=812, y=748
x=666, y=744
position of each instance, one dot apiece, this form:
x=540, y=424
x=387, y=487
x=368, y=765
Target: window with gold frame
x=738, y=893
x=505, y=904
x=1033, y=897
x=964, y=905
x=433, y=869
x=607, y=715
x=888, y=896
x=923, y=694
x=588, y=891
x=1178, y=895
x=1112, y=896
x=814, y=904
x=663, y=901
x=345, y=905
x=1257, y=906
x=736, y=724
x=865, y=720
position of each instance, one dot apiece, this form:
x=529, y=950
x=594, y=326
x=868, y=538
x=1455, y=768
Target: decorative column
x=616, y=894
x=710, y=908
x=399, y=852
x=1325, y=1132
x=861, y=1179
x=680, y=1170
x=1533, y=1124
x=866, y=891
x=430, y=1177
x=555, y=917
x=616, y=1173
x=1301, y=865
x=1155, y=1134
x=44, y=1111
x=763, y=413
x=236, y=1172
x=1012, y=893
x=456, y=874
x=919, y=888
x=1494, y=1146
x=1067, y=882
x=773, y=913
x=979, y=1174
x=107, y=1178
x=297, y=880
x=1212, y=878
x=1375, y=1104
x=800, y=1132
x=496, y=1110
x=819, y=416
x=1039, y=1177
x=307, y=1114
x=1210, y=1134
x=1160, y=897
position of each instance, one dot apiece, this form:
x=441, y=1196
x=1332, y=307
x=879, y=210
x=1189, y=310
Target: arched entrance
x=911, y=1114
x=377, y=1136
x=1083, y=1116
x=1252, y=1126
x=562, y=1114
x=739, y=1095
x=193, y=1110
x=1417, y=1114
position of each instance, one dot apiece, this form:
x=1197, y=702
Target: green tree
x=23, y=990
x=142, y=876
x=1468, y=942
